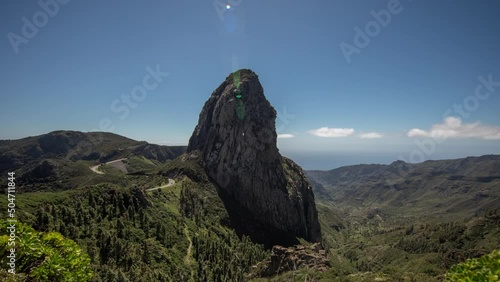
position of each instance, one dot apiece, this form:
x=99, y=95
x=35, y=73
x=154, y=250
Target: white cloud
x=332, y=132
x=371, y=135
x=285, y=135
x=452, y=127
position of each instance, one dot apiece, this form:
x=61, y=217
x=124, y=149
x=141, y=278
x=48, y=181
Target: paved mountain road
x=170, y=183
x=96, y=170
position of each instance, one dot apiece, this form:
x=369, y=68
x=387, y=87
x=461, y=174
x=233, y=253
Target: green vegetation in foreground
x=42, y=256
x=485, y=268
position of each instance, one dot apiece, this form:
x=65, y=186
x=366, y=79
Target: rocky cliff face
x=236, y=141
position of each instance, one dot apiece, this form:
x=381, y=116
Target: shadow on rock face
x=267, y=196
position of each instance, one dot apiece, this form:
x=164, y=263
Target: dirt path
x=96, y=167
x=187, y=259
x=170, y=183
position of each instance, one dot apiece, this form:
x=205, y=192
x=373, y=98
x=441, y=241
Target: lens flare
x=228, y=6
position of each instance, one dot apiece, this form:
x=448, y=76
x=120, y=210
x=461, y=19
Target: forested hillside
x=179, y=233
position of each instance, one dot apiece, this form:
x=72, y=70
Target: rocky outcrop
x=290, y=259
x=236, y=141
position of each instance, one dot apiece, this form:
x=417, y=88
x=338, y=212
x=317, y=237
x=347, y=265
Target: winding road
x=170, y=183
x=96, y=170
x=96, y=167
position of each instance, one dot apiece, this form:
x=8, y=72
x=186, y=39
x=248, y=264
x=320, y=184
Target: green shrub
x=485, y=268
x=43, y=256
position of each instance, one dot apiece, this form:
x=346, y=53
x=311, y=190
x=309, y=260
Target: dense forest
x=178, y=234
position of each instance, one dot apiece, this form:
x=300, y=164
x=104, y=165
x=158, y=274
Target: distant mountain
x=75, y=145
x=59, y=155
x=435, y=188
x=404, y=221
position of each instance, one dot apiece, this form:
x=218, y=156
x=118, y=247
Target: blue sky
x=405, y=81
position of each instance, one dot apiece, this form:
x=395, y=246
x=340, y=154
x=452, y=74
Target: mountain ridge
x=76, y=145
x=465, y=184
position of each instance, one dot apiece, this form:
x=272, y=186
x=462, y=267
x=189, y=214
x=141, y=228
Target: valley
x=230, y=207
x=411, y=230
x=411, y=227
